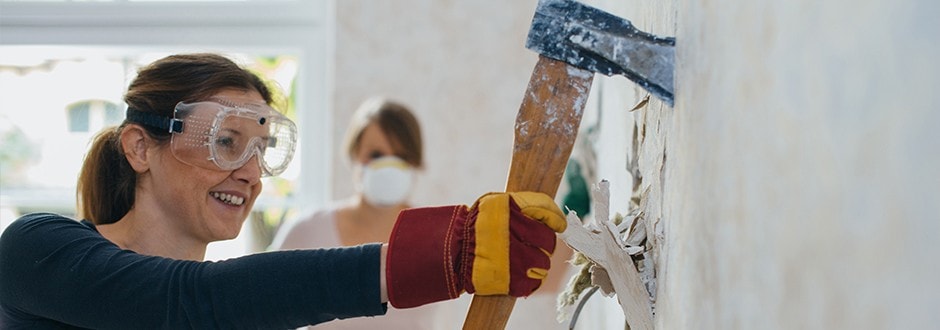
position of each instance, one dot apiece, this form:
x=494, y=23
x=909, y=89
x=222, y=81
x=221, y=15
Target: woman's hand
x=502, y=245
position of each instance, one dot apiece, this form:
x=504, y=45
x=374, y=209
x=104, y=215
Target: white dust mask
x=387, y=181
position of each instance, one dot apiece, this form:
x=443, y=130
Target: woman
x=384, y=145
x=183, y=170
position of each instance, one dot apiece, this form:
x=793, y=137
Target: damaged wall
x=794, y=183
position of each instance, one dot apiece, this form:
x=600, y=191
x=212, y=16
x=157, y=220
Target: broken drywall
x=793, y=185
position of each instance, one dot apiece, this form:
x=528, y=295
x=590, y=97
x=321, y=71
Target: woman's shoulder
x=34, y=227
x=312, y=230
x=42, y=216
x=318, y=217
x=36, y=236
x=326, y=215
x=42, y=221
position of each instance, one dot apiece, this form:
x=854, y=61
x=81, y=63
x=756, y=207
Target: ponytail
x=106, y=183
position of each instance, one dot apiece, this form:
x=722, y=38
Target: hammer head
x=592, y=39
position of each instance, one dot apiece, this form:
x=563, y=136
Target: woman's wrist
x=383, y=287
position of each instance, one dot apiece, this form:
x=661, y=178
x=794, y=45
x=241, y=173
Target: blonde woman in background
x=384, y=146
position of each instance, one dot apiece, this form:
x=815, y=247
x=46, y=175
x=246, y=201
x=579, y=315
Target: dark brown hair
x=107, y=183
x=397, y=123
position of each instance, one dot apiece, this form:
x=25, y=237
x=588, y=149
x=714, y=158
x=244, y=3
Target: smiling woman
x=150, y=210
x=86, y=52
x=46, y=174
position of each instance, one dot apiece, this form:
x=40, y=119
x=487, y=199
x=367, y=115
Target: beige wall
x=462, y=67
x=794, y=182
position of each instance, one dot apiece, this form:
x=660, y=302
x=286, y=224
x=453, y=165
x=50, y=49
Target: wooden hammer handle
x=546, y=128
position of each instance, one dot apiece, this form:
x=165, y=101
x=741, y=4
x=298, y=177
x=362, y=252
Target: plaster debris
x=611, y=265
x=600, y=279
x=642, y=104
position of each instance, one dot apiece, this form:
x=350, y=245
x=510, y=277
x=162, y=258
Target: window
x=92, y=116
x=78, y=117
x=65, y=65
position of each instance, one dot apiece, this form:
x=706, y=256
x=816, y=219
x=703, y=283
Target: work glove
x=502, y=245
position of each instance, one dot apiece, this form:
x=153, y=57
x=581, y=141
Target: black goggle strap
x=172, y=125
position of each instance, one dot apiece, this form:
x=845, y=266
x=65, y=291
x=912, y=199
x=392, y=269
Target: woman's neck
x=154, y=238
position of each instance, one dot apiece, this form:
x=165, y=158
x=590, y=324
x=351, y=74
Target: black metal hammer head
x=595, y=40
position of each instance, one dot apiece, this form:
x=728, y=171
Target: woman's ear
x=134, y=143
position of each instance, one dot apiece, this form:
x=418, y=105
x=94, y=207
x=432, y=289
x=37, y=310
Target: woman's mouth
x=228, y=199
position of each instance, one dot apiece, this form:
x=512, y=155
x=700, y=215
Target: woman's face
x=381, y=178
x=207, y=204
x=373, y=144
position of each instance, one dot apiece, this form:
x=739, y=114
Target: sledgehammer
x=574, y=41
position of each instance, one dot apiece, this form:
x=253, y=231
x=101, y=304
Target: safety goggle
x=222, y=135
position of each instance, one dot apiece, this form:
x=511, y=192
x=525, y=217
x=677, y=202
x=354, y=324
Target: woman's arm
x=55, y=268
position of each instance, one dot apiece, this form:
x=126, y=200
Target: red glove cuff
x=424, y=255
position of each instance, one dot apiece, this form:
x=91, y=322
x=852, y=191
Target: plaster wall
x=794, y=184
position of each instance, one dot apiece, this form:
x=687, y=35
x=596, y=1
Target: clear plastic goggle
x=222, y=135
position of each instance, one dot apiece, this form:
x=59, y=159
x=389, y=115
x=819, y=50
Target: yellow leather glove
x=507, y=232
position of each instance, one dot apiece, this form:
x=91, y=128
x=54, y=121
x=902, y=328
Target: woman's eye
x=225, y=143
x=376, y=155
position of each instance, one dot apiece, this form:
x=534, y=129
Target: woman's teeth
x=228, y=199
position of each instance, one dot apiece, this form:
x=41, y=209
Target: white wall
x=795, y=179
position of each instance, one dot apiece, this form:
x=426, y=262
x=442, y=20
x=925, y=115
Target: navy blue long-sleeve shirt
x=56, y=272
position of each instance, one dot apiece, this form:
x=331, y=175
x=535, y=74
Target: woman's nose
x=250, y=172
